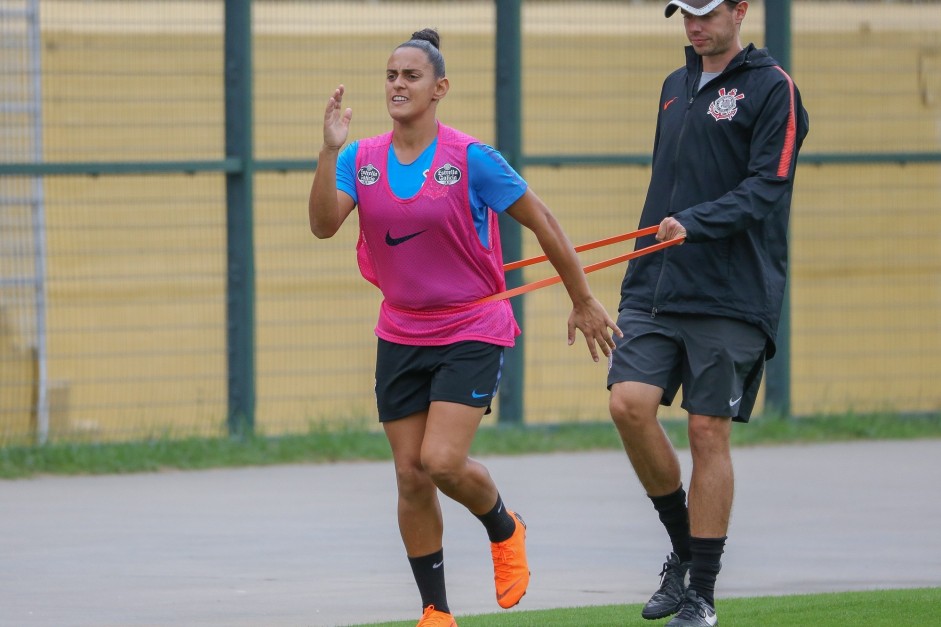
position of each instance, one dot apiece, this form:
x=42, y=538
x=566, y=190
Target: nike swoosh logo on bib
x=395, y=241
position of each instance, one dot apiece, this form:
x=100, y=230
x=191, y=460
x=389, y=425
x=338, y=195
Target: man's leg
x=710, y=499
x=710, y=504
x=724, y=360
x=634, y=408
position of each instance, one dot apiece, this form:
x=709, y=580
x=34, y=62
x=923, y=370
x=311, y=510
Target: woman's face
x=411, y=86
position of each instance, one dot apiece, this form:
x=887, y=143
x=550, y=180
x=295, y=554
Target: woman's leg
x=419, y=512
x=449, y=431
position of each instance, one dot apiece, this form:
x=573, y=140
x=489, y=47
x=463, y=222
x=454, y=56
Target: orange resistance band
x=535, y=285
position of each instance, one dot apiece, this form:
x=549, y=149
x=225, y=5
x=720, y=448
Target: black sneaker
x=672, y=591
x=695, y=612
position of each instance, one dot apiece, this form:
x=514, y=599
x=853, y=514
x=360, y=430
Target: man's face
x=713, y=34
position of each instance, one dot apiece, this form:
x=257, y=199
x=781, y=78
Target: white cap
x=696, y=7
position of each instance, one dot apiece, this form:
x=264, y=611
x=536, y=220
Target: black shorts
x=408, y=378
x=718, y=361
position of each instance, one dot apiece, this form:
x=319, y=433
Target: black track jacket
x=723, y=166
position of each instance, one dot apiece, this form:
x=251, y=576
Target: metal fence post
x=34, y=39
x=778, y=376
x=509, y=143
x=240, y=281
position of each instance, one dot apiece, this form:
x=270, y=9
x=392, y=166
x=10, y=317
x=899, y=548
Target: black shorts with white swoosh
x=409, y=378
x=717, y=361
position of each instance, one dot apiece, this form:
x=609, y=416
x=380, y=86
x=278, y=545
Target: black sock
x=675, y=517
x=429, y=575
x=498, y=522
x=707, y=555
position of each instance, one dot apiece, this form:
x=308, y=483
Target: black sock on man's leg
x=498, y=522
x=675, y=517
x=706, y=563
x=429, y=575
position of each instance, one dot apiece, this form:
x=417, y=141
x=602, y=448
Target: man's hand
x=670, y=229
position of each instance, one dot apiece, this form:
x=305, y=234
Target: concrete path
x=317, y=545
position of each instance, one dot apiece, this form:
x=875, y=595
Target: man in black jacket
x=704, y=315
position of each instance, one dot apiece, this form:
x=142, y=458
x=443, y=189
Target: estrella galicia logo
x=367, y=175
x=447, y=174
x=725, y=106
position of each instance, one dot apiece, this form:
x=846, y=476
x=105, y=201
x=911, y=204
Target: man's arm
x=775, y=142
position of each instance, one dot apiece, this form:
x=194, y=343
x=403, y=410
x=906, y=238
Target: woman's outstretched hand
x=594, y=322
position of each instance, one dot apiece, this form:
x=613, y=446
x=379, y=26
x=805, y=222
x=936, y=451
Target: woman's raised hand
x=336, y=121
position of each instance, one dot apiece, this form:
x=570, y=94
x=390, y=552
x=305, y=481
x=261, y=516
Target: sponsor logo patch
x=367, y=175
x=447, y=174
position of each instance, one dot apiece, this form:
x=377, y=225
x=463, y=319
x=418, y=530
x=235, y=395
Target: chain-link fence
x=113, y=283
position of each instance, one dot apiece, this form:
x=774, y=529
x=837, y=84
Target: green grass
x=880, y=608
x=359, y=442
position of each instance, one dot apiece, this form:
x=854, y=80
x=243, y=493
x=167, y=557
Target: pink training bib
x=424, y=254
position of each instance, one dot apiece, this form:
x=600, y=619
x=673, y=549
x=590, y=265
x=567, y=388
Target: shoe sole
x=659, y=615
x=507, y=607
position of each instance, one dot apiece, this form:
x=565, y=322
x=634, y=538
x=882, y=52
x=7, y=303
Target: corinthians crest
x=724, y=107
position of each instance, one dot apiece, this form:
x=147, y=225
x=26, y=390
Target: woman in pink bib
x=428, y=198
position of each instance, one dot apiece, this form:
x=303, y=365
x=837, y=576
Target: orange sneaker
x=434, y=618
x=510, y=569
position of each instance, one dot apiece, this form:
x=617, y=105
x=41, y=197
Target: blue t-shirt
x=491, y=182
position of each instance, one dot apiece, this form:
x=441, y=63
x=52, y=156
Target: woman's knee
x=443, y=468
x=412, y=479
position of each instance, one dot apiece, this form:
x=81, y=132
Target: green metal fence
x=156, y=272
